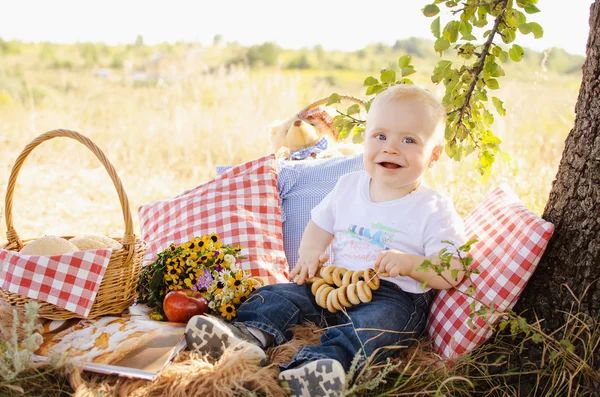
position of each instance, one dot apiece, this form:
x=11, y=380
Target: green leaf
x=470, y=323
x=333, y=98
x=492, y=84
x=435, y=28
x=498, y=105
x=465, y=29
x=424, y=285
x=375, y=89
x=503, y=56
x=404, y=61
x=430, y=10
x=536, y=338
x=516, y=53
x=508, y=36
x=357, y=138
x=354, y=109
x=441, y=44
x=407, y=71
x=370, y=81
x=454, y=274
x=388, y=75
x=451, y=31
x=505, y=157
x=488, y=118
x=531, y=8
x=486, y=159
x=339, y=123
x=536, y=29
x=524, y=28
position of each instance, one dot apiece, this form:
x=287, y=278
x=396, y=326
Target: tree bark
x=572, y=258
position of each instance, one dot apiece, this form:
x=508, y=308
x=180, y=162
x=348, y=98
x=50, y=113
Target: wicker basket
x=118, y=288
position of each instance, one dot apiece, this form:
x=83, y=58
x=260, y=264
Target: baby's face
x=399, y=145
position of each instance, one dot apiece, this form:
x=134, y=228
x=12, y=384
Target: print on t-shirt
x=365, y=243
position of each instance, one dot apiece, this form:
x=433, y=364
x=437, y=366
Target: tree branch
x=485, y=3
x=479, y=67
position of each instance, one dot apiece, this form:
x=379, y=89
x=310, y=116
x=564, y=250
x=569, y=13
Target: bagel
x=337, y=275
x=315, y=286
x=358, y=276
x=342, y=296
x=330, y=306
x=327, y=273
x=372, y=279
x=335, y=302
x=321, y=295
x=352, y=295
x=364, y=292
x=347, y=280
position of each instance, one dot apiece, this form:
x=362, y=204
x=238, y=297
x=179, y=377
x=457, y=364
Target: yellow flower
x=229, y=279
x=188, y=283
x=238, y=278
x=217, y=288
x=227, y=311
x=240, y=297
x=156, y=316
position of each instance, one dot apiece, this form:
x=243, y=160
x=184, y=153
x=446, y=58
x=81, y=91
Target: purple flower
x=217, y=253
x=219, y=268
x=204, y=281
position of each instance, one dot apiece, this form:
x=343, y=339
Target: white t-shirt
x=415, y=224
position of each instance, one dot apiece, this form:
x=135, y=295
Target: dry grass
x=168, y=138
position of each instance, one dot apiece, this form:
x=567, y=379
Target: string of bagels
x=336, y=288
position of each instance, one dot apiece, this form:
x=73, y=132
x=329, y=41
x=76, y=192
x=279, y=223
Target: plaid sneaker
x=324, y=377
x=208, y=334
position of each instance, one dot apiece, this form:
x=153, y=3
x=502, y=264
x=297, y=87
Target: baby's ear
x=435, y=155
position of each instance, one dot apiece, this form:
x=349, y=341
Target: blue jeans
x=392, y=318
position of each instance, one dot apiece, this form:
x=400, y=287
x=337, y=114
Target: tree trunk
x=572, y=258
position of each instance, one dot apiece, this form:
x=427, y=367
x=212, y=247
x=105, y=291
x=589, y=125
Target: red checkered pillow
x=511, y=241
x=241, y=205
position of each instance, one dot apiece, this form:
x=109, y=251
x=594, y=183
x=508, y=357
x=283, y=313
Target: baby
x=382, y=217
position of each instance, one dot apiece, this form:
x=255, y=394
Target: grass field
x=163, y=139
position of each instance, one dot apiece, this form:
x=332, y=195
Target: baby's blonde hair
x=437, y=111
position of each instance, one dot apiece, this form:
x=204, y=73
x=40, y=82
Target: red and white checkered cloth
x=242, y=205
x=511, y=241
x=69, y=281
x=318, y=113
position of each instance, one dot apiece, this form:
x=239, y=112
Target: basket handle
x=128, y=241
x=324, y=101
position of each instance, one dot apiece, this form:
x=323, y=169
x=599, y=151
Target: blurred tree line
x=368, y=59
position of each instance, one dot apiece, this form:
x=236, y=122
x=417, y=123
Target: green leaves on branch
x=468, y=82
x=347, y=123
x=467, y=79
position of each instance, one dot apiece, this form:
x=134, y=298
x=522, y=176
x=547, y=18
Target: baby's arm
x=312, y=252
x=397, y=263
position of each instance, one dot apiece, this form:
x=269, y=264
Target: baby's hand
x=394, y=263
x=307, y=266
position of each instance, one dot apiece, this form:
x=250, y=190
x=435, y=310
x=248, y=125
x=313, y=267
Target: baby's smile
x=389, y=165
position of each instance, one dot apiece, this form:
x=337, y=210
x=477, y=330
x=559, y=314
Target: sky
x=342, y=25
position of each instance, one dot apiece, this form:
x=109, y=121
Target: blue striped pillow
x=302, y=185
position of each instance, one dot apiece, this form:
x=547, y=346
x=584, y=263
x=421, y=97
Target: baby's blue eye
x=381, y=137
x=409, y=140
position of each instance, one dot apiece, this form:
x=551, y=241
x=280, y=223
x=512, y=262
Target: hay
x=7, y=319
x=235, y=373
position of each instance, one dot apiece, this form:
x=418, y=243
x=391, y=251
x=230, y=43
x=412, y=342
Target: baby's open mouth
x=388, y=165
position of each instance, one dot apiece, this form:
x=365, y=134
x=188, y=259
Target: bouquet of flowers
x=202, y=264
